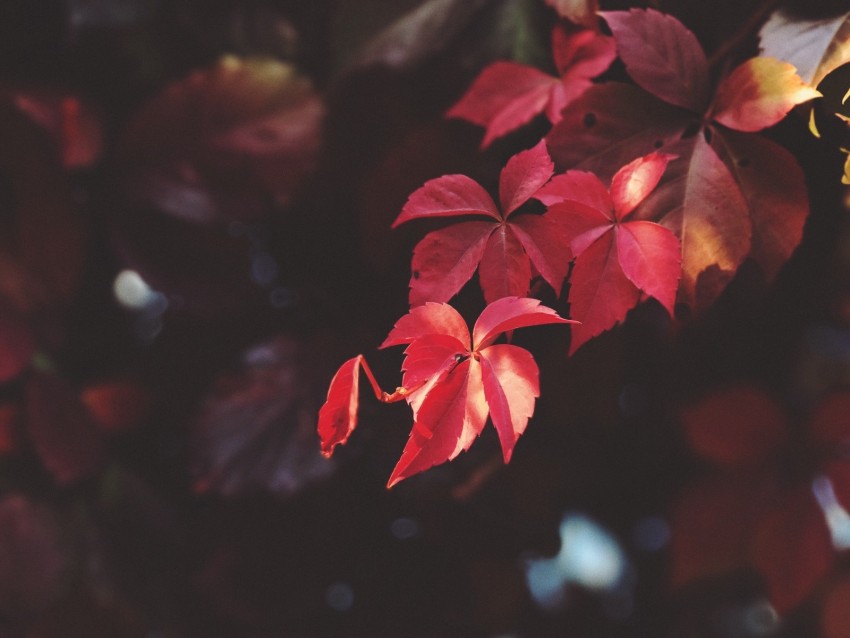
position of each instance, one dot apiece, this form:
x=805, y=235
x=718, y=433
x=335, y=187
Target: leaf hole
x=658, y=143
x=589, y=120
x=416, y=274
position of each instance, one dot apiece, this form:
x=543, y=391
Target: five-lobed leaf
x=502, y=250
x=507, y=95
x=451, y=381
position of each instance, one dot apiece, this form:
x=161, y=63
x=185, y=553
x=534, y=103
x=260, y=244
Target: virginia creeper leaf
x=507, y=95
x=447, y=258
x=758, y=94
x=815, y=47
x=450, y=381
x=616, y=259
x=661, y=55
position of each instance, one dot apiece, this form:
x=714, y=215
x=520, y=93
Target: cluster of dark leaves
x=195, y=209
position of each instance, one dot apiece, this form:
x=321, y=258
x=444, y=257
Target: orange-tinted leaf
x=662, y=56
x=446, y=259
x=510, y=313
x=448, y=196
x=792, y=550
x=511, y=385
x=635, y=181
x=758, y=94
x=62, y=430
x=774, y=186
x=578, y=11
x=815, y=47
x=428, y=319
x=700, y=202
x=741, y=425
x=449, y=419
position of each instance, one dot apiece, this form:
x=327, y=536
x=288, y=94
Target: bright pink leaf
x=507, y=95
x=448, y=196
x=523, y=175
x=510, y=313
x=577, y=186
x=650, y=256
x=511, y=385
x=428, y=319
x=451, y=416
x=662, y=56
x=759, y=93
x=446, y=259
x=635, y=181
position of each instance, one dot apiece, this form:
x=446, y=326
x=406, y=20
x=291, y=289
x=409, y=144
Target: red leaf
x=740, y=426
x=523, y=175
x=616, y=260
x=600, y=292
x=446, y=259
x=511, y=385
x=117, y=406
x=662, y=56
x=451, y=416
x=428, y=319
x=699, y=200
x=635, y=181
x=448, y=196
x=61, y=429
x=830, y=421
x=505, y=268
x=759, y=93
x=424, y=360
x=507, y=95
x=338, y=415
x=510, y=313
x=610, y=125
x=792, y=549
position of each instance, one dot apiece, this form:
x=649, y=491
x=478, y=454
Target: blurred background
x=195, y=209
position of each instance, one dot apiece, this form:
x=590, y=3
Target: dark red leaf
x=547, y=245
x=830, y=421
x=662, y=56
x=741, y=425
x=792, y=549
x=11, y=428
x=117, y=406
x=61, y=429
x=17, y=346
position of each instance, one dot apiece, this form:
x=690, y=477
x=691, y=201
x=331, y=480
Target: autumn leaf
x=507, y=95
x=503, y=248
x=720, y=196
x=618, y=260
x=814, y=47
x=452, y=381
x=223, y=142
